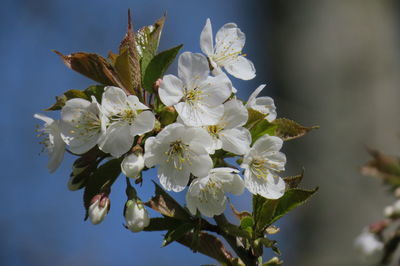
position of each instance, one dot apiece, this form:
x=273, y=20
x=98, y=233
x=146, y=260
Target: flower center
x=214, y=130
x=209, y=191
x=178, y=153
x=87, y=123
x=258, y=167
x=192, y=96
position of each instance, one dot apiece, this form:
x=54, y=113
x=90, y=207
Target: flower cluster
x=201, y=138
x=209, y=125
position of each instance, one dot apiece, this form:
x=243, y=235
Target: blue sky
x=41, y=221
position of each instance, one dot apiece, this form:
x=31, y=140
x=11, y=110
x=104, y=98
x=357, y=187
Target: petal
x=229, y=179
x=206, y=39
x=199, y=115
x=44, y=118
x=235, y=114
x=241, y=68
x=277, y=161
x=265, y=105
x=143, y=123
x=200, y=161
x=57, y=154
x=135, y=104
x=171, y=90
x=113, y=100
x=192, y=68
x=273, y=187
x=267, y=144
x=117, y=139
x=229, y=38
x=197, y=136
x=172, y=178
x=215, y=90
x=150, y=155
x=236, y=140
x=254, y=95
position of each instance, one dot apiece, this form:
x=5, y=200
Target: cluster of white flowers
x=210, y=118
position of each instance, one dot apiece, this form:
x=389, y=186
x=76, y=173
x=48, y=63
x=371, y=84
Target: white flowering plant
x=379, y=242
x=202, y=139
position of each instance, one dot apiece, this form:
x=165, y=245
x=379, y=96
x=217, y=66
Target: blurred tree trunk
x=336, y=64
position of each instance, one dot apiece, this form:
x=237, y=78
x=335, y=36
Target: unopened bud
x=156, y=85
x=99, y=207
x=136, y=216
x=132, y=165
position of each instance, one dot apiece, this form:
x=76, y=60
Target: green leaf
x=148, y=39
x=158, y=65
x=162, y=223
x=95, y=90
x=275, y=261
x=166, y=205
x=288, y=129
x=92, y=66
x=177, y=233
x=101, y=181
x=272, y=210
x=253, y=118
x=262, y=128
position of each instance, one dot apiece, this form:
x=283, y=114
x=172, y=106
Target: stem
x=246, y=256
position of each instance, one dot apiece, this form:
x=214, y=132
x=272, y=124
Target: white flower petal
x=200, y=162
x=215, y=90
x=192, y=69
x=235, y=114
x=229, y=179
x=254, y=95
x=117, y=140
x=135, y=104
x=229, y=38
x=273, y=187
x=197, y=136
x=151, y=155
x=206, y=39
x=171, y=90
x=113, y=100
x=199, y=115
x=143, y=123
x=277, y=160
x=236, y=140
x=267, y=144
x=241, y=68
x=172, y=178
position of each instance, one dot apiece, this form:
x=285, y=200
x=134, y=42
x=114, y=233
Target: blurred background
x=331, y=63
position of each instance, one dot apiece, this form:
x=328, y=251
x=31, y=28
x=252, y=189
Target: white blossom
x=82, y=124
x=128, y=118
x=227, y=53
x=196, y=96
x=98, y=209
x=261, y=163
x=132, y=165
x=264, y=105
x=136, y=216
x=52, y=141
x=207, y=194
x=229, y=133
x=370, y=248
x=179, y=151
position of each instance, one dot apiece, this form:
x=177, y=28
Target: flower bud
x=369, y=246
x=99, y=207
x=136, y=216
x=132, y=165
